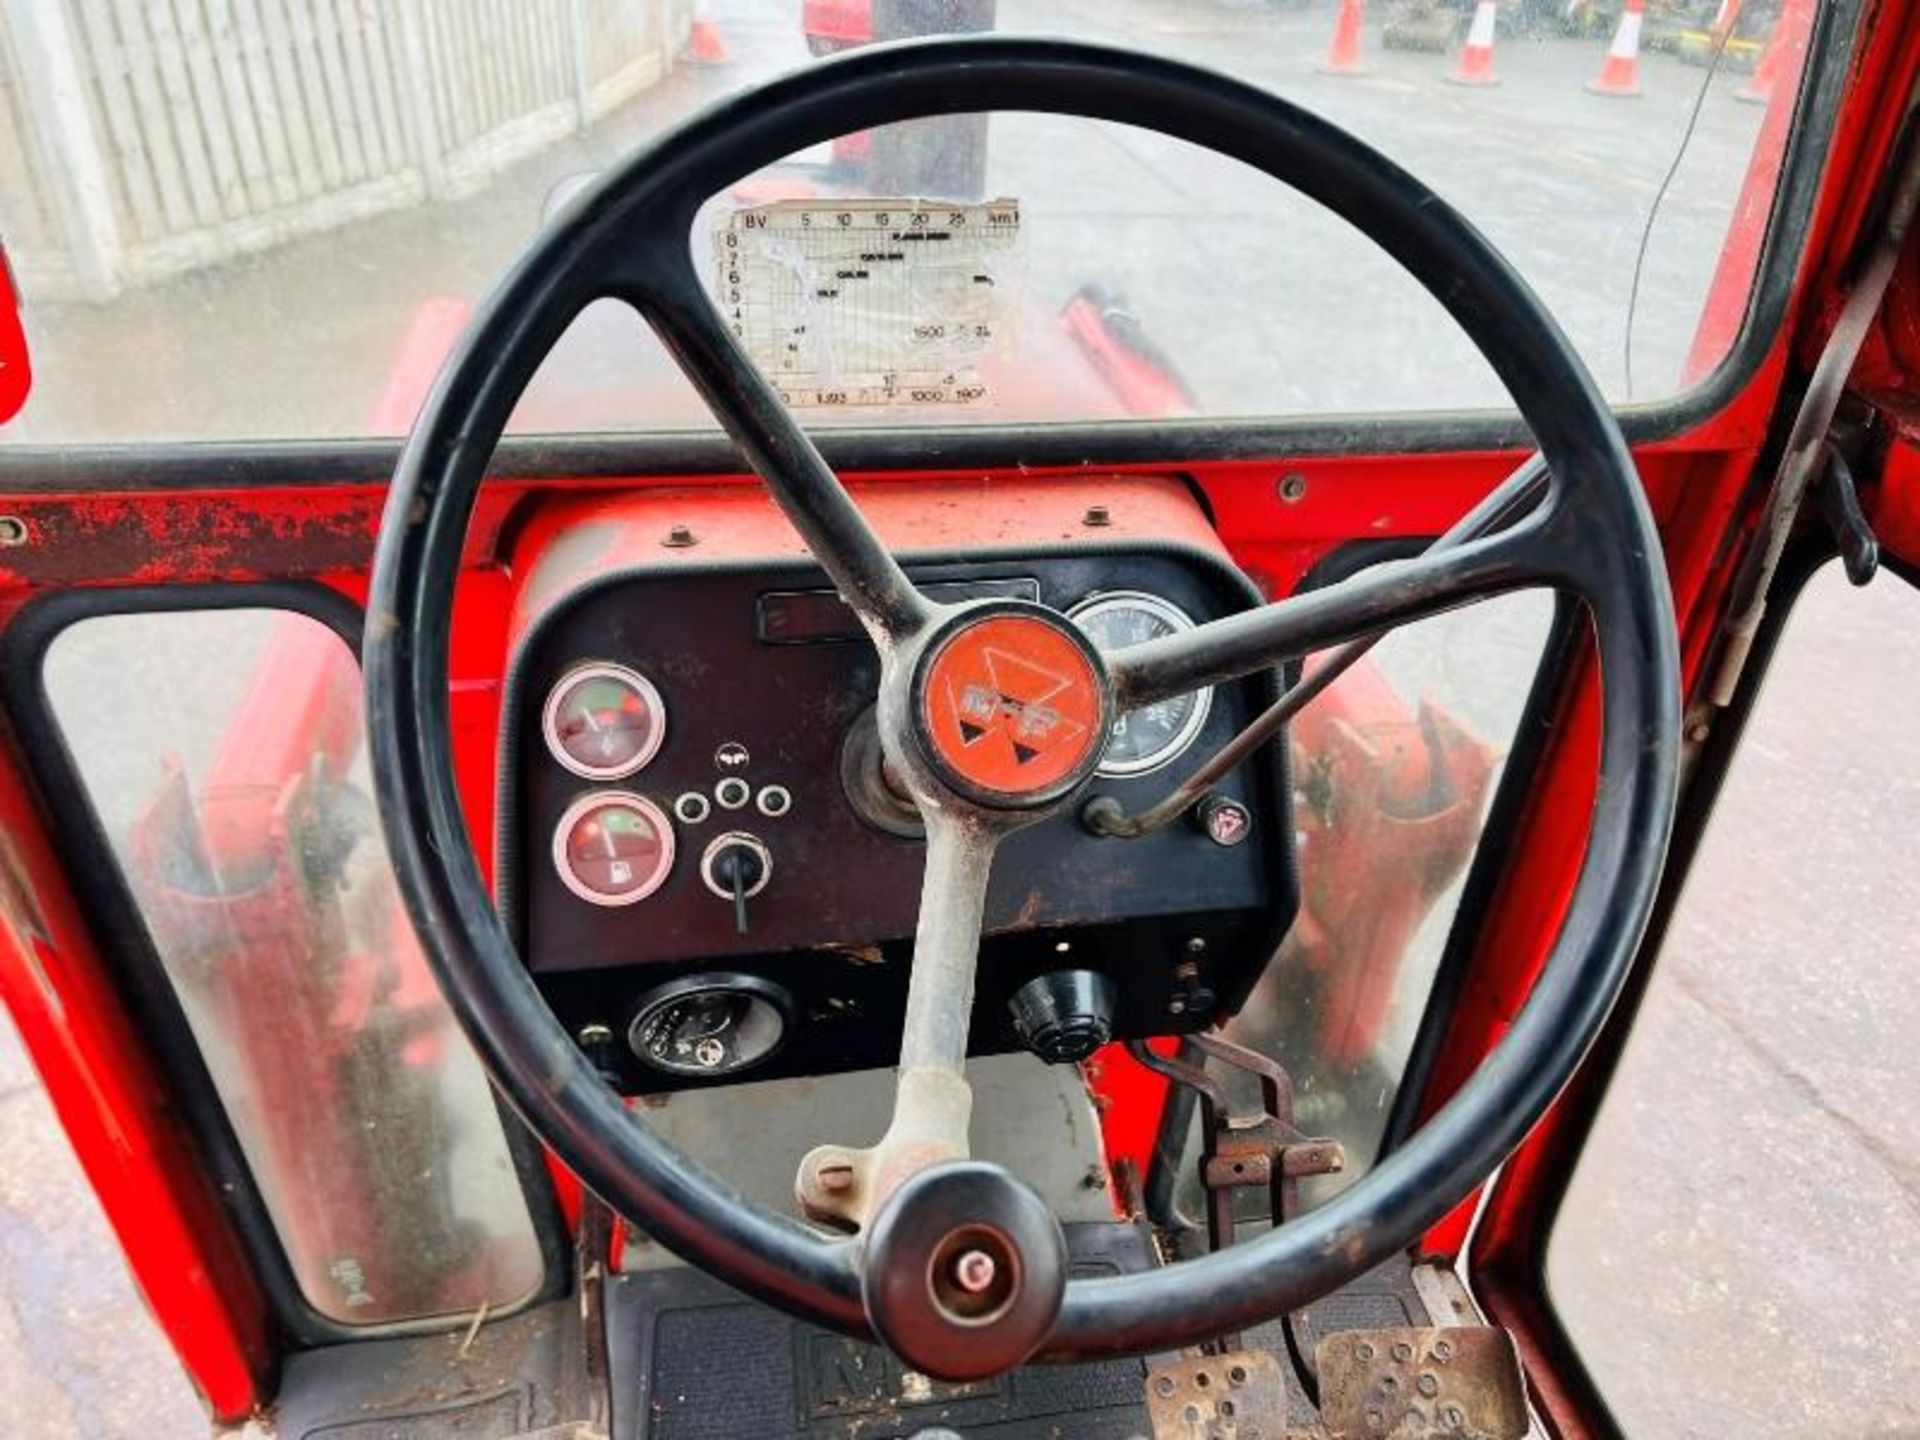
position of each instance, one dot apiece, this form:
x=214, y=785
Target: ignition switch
x=737, y=867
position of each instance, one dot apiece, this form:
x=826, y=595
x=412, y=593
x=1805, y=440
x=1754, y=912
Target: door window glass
x=1394, y=771
x=222, y=753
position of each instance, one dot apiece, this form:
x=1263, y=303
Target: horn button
x=1012, y=707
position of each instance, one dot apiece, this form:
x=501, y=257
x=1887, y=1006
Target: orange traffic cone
x=1343, y=56
x=705, y=44
x=1475, y=65
x=1786, y=47
x=1620, y=72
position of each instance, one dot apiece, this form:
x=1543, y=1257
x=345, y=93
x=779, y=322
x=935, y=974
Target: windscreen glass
x=273, y=220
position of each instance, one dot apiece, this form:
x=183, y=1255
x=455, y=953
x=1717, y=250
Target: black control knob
x=736, y=867
x=1064, y=1015
x=964, y=1272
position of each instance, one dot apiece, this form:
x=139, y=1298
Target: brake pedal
x=1458, y=1383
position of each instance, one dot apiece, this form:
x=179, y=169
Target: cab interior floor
x=694, y=1360
x=524, y=1375
x=691, y=1359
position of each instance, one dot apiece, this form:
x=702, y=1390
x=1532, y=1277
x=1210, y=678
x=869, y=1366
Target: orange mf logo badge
x=1012, y=704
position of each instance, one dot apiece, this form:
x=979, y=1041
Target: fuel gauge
x=604, y=722
x=612, y=848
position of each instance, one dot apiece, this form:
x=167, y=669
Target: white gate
x=147, y=137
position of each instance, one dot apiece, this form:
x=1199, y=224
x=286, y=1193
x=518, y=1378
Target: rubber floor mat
x=694, y=1360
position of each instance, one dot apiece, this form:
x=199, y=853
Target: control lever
x=733, y=867
x=736, y=867
x=1263, y=1151
x=1840, y=506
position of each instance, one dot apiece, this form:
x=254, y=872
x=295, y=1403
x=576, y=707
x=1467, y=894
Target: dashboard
x=712, y=876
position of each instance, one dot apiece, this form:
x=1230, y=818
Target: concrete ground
x=79, y=1355
x=1738, y=1252
x=1727, y=1259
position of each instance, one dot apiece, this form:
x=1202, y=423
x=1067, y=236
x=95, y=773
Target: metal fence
x=142, y=138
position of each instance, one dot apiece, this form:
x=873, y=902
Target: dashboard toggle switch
x=737, y=867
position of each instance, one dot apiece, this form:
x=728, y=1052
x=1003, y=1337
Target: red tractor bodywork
x=16, y=366
x=834, y=25
x=1377, y=793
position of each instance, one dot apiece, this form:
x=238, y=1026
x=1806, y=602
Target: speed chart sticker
x=870, y=302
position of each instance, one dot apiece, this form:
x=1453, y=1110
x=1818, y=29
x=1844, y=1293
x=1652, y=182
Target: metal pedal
x=1459, y=1383
x=1240, y=1395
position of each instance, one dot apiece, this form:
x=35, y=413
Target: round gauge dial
x=604, y=722
x=1156, y=734
x=710, y=1024
x=612, y=848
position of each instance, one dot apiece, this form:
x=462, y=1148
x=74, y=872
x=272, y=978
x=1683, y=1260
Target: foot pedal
x=1459, y=1383
x=1241, y=1395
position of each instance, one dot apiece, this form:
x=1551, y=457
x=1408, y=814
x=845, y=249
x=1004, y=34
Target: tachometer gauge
x=612, y=848
x=1156, y=734
x=710, y=1024
x=604, y=722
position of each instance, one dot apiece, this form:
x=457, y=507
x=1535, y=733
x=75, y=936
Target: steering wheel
x=959, y=1267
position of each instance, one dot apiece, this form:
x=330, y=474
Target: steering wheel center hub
x=1012, y=707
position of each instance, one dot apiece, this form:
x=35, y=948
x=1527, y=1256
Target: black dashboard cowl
x=1157, y=920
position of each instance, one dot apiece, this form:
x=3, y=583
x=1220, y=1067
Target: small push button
x=1223, y=819
x=732, y=793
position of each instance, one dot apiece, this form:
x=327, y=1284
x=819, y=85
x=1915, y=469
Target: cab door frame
x=1871, y=100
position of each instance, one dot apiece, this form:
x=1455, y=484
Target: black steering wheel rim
x=626, y=236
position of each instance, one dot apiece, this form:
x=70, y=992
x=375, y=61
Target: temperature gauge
x=613, y=849
x=604, y=722
x=710, y=1024
x=1156, y=734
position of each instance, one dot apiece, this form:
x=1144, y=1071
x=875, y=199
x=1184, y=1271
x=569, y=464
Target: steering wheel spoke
x=933, y=1103
x=868, y=578
x=1378, y=599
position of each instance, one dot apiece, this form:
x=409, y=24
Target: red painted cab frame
x=16, y=365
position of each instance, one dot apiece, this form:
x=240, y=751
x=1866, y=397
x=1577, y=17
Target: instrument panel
x=713, y=878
